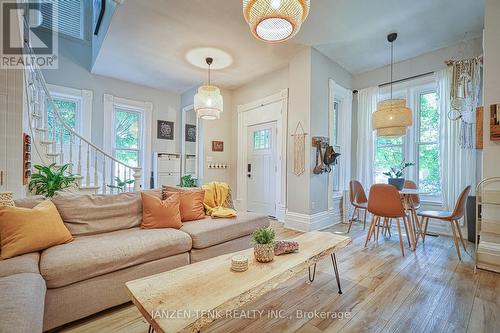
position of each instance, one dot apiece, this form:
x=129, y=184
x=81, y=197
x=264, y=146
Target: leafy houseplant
x=188, y=181
x=50, y=179
x=395, y=174
x=264, y=244
x=121, y=184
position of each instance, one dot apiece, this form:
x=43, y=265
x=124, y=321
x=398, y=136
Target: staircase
x=54, y=141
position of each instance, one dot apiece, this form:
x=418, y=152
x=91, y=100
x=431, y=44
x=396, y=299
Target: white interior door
x=261, y=168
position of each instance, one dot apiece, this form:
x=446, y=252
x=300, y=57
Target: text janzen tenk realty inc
x=248, y=314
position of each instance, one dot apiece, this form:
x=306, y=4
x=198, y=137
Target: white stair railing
x=56, y=142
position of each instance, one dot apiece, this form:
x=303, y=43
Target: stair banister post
x=137, y=179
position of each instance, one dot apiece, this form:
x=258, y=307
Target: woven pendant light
x=392, y=117
x=208, y=102
x=275, y=20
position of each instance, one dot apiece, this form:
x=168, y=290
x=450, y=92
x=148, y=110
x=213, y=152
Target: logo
x=30, y=23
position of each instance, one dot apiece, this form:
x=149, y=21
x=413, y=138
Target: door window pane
x=127, y=129
x=429, y=173
x=262, y=139
x=335, y=123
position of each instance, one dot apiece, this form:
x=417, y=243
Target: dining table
x=407, y=194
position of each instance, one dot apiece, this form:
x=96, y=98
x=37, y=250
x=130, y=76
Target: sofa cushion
x=208, y=232
x=158, y=213
x=90, y=214
x=22, y=305
x=89, y=256
x=29, y=202
x=26, y=263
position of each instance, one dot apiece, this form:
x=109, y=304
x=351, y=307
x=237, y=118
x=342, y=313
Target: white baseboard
x=305, y=222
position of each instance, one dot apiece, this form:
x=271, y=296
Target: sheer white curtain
x=458, y=165
x=365, y=156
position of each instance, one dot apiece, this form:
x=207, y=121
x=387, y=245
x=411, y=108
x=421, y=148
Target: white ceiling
x=148, y=40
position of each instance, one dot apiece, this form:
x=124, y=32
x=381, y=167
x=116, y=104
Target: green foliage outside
x=264, y=236
x=50, y=179
x=67, y=110
x=127, y=125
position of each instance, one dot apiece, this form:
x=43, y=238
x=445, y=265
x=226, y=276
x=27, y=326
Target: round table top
x=410, y=191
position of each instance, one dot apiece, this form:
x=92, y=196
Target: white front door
x=261, y=169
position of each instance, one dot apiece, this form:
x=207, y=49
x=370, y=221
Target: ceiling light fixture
x=208, y=102
x=275, y=20
x=392, y=117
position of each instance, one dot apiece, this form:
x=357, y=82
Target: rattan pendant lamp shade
x=392, y=117
x=208, y=102
x=275, y=20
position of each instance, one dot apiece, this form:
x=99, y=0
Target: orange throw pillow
x=24, y=230
x=157, y=213
x=191, y=206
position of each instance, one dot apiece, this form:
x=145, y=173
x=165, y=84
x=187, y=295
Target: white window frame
x=343, y=96
x=146, y=108
x=411, y=91
x=84, y=110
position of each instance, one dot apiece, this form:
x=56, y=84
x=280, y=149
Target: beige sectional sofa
x=74, y=280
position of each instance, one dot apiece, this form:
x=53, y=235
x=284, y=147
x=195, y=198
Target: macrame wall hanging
x=465, y=85
x=299, y=150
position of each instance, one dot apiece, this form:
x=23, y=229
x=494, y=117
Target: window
x=335, y=144
x=128, y=134
x=429, y=171
x=262, y=139
x=69, y=110
x=420, y=145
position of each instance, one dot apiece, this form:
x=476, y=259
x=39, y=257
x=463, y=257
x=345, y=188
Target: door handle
x=249, y=168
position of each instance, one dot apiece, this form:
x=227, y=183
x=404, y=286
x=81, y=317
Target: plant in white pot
x=264, y=244
x=396, y=174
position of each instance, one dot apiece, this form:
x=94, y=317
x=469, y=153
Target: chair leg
x=400, y=238
x=455, y=240
x=407, y=233
x=364, y=220
x=378, y=229
x=461, y=237
x=370, y=230
x=352, y=219
x=425, y=228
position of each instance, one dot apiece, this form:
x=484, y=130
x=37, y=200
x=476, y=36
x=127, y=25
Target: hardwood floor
x=429, y=290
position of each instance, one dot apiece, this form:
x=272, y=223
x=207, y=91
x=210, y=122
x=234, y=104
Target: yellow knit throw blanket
x=215, y=200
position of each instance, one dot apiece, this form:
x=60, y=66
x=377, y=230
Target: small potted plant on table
x=395, y=174
x=264, y=244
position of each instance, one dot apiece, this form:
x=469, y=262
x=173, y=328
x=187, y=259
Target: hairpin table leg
x=151, y=329
x=336, y=270
x=311, y=279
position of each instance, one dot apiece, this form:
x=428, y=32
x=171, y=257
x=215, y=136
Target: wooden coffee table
x=191, y=297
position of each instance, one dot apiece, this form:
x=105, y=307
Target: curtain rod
x=405, y=79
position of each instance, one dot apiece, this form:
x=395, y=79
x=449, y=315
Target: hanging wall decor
x=165, y=130
x=299, y=150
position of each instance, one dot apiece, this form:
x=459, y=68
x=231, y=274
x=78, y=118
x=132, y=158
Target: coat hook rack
x=324, y=141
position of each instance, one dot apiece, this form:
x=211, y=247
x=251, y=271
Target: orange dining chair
x=385, y=202
x=414, y=197
x=451, y=217
x=358, y=200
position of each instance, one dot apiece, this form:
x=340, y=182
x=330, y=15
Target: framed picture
x=165, y=130
x=217, y=145
x=190, y=133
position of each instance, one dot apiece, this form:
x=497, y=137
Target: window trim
x=110, y=103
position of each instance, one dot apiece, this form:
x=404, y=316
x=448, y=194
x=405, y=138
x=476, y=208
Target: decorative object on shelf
x=26, y=158
x=479, y=127
x=218, y=146
x=165, y=130
x=465, y=93
x=264, y=244
x=299, y=150
x=275, y=20
x=51, y=179
x=208, y=102
x=121, y=185
x=495, y=122
x=284, y=247
x=190, y=133
x=6, y=199
x=217, y=166
x=239, y=263
x=395, y=174
x=392, y=117
x=188, y=181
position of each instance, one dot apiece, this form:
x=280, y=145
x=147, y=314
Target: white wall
x=429, y=62
x=74, y=64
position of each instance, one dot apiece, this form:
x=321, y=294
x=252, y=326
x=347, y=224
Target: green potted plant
x=50, y=179
x=396, y=174
x=264, y=244
x=121, y=184
x=188, y=181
